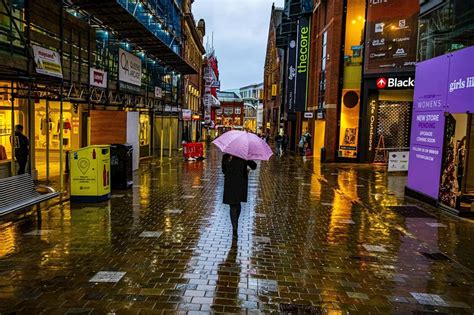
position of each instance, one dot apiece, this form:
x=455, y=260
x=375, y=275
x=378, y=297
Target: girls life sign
x=443, y=85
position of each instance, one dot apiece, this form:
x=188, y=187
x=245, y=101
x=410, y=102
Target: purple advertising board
x=443, y=85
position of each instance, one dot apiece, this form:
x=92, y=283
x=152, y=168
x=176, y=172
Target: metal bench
x=19, y=192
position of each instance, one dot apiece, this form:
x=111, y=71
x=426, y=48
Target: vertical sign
x=302, y=63
x=291, y=75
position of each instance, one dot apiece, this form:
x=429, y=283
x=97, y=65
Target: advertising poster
x=391, y=41
x=47, y=62
x=427, y=130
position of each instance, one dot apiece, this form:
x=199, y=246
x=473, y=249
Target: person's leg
x=234, y=217
x=22, y=164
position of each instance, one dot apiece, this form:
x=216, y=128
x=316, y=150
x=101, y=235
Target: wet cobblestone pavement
x=320, y=240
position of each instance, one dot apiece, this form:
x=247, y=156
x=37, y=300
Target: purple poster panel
x=427, y=130
x=461, y=81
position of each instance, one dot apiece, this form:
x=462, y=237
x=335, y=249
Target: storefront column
x=13, y=141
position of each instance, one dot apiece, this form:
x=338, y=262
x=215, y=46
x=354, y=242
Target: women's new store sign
x=443, y=85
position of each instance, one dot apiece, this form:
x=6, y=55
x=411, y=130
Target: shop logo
x=402, y=24
x=381, y=83
x=378, y=42
x=292, y=44
x=395, y=83
x=400, y=53
x=98, y=77
x=292, y=73
x=402, y=39
x=379, y=55
x=304, y=50
x=379, y=27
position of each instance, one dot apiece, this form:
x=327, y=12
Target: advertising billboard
x=291, y=76
x=130, y=71
x=391, y=39
x=444, y=86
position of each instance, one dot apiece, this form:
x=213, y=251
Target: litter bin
x=121, y=164
x=90, y=174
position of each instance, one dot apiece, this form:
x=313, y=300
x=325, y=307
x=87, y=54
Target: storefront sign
x=308, y=115
x=98, y=78
x=398, y=161
x=130, y=68
x=158, y=92
x=291, y=76
x=372, y=124
x=302, y=61
x=47, y=62
x=187, y=114
x=451, y=92
x=391, y=40
x=395, y=83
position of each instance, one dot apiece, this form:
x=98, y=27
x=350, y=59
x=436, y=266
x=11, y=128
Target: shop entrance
x=47, y=137
x=457, y=171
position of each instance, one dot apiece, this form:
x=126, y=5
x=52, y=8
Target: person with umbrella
x=241, y=149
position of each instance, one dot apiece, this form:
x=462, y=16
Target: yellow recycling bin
x=90, y=174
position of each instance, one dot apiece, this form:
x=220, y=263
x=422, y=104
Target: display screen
x=391, y=40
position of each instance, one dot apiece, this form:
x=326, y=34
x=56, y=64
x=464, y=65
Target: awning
x=113, y=15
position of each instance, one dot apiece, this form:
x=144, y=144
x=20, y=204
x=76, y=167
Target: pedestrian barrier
x=193, y=150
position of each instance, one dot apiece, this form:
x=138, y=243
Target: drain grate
x=295, y=309
x=411, y=212
x=436, y=256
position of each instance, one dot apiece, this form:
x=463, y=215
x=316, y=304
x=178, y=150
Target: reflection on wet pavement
x=312, y=237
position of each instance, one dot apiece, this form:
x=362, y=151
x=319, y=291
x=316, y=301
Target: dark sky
x=240, y=30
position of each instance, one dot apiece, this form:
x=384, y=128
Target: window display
x=144, y=129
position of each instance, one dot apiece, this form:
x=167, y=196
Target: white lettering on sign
x=461, y=84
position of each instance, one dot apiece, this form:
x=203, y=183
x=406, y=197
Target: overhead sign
x=158, y=92
x=302, y=61
x=130, y=68
x=98, y=78
x=47, y=61
x=395, y=83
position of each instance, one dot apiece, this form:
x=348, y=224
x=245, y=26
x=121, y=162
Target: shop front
x=442, y=134
x=387, y=109
x=145, y=134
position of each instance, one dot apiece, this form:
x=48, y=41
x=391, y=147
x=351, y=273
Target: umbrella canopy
x=245, y=145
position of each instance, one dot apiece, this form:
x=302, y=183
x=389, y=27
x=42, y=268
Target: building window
x=324, y=51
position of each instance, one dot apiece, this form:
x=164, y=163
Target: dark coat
x=236, y=179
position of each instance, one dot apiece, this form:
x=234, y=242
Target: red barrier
x=193, y=150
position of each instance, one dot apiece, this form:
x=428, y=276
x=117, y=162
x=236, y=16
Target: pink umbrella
x=245, y=145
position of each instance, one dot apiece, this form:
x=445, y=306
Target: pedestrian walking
x=279, y=144
x=307, y=143
x=22, y=149
x=286, y=141
x=236, y=172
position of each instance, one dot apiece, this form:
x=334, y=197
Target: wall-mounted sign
x=98, y=78
x=130, y=68
x=395, y=83
x=391, y=40
x=302, y=63
x=308, y=115
x=291, y=76
x=187, y=114
x=158, y=92
x=47, y=62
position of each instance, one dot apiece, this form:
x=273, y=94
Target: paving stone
x=107, y=276
x=428, y=299
x=151, y=234
x=375, y=248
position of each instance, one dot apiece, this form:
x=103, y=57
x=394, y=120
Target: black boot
x=234, y=219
